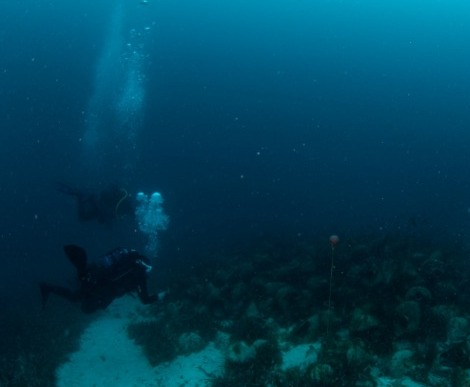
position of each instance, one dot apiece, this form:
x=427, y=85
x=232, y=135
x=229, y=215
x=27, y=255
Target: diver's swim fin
x=77, y=256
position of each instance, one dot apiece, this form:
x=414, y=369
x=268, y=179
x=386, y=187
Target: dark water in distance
x=250, y=117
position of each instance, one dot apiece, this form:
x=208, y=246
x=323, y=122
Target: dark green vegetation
x=33, y=344
x=179, y=330
x=258, y=371
x=399, y=309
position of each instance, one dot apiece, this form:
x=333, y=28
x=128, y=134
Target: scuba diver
x=110, y=204
x=117, y=273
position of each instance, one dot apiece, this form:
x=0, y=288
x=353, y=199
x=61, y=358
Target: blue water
x=252, y=118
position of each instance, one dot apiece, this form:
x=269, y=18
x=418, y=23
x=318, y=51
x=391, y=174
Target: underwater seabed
x=399, y=316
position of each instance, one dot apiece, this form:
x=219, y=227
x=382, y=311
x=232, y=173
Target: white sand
x=195, y=370
x=107, y=357
x=300, y=356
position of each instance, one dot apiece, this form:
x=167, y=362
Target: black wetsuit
x=119, y=272
x=105, y=207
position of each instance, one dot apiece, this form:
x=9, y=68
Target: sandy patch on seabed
x=107, y=357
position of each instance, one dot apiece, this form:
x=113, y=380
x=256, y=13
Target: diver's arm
x=143, y=294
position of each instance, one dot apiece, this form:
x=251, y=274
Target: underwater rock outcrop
x=389, y=322
x=398, y=316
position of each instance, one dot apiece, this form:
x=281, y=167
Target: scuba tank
x=112, y=258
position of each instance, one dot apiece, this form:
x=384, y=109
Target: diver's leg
x=77, y=255
x=69, y=295
x=86, y=202
x=98, y=300
x=93, y=304
x=88, y=207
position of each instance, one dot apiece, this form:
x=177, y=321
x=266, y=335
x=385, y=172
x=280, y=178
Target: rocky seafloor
x=398, y=315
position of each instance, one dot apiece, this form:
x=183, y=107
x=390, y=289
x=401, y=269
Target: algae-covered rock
x=418, y=294
x=356, y=355
x=190, y=342
x=458, y=329
x=301, y=356
x=407, y=318
x=402, y=363
x=241, y=352
x=362, y=321
x=322, y=373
